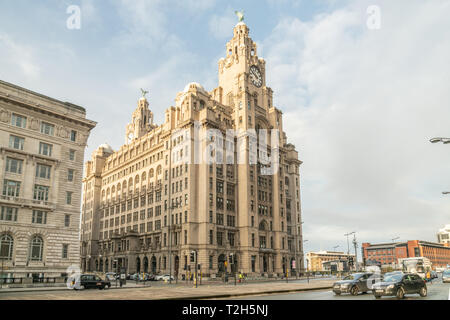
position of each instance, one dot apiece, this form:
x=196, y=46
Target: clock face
x=130, y=136
x=255, y=76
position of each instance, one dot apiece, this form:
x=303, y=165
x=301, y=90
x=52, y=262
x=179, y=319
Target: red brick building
x=389, y=253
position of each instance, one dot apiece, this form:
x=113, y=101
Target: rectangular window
x=219, y=236
x=43, y=171
x=45, y=149
x=16, y=142
x=211, y=236
x=14, y=165
x=71, y=155
x=67, y=220
x=219, y=219
x=231, y=238
x=8, y=214
x=41, y=192
x=70, y=175
x=39, y=217
x=65, y=251
x=47, y=128
x=69, y=197
x=11, y=188
x=19, y=121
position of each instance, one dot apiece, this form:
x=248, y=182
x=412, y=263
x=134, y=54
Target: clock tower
x=242, y=76
x=141, y=122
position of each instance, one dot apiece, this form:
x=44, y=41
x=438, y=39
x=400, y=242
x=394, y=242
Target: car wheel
x=377, y=297
x=423, y=292
x=337, y=293
x=400, y=293
x=354, y=291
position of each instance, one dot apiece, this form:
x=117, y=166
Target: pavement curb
x=228, y=295
x=198, y=297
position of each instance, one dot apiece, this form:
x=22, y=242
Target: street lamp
x=348, y=245
x=443, y=140
x=171, y=207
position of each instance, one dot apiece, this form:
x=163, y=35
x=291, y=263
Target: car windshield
x=446, y=273
x=354, y=276
x=396, y=277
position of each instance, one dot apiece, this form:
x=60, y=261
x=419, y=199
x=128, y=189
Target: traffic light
x=192, y=256
x=350, y=261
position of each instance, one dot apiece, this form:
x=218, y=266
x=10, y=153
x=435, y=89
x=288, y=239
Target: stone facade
x=42, y=142
x=145, y=210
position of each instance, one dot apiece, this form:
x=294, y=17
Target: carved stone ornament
x=5, y=115
x=34, y=124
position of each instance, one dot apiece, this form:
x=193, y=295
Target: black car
x=356, y=283
x=399, y=284
x=89, y=281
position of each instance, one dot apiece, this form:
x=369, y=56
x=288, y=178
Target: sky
x=361, y=93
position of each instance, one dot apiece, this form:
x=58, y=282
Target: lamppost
x=2, y=278
x=348, y=245
x=117, y=269
x=355, y=244
x=443, y=140
x=171, y=207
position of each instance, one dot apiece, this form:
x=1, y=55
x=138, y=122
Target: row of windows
x=38, y=216
x=42, y=171
x=46, y=128
x=41, y=193
x=36, y=248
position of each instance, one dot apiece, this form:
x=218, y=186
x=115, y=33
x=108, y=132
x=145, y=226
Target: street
x=436, y=291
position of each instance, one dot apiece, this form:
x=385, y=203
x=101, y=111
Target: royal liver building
x=203, y=181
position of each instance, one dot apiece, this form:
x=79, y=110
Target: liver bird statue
x=240, y=15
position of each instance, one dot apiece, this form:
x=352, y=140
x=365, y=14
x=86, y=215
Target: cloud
x=360, y=105
x=14, y=53
x=221, y=27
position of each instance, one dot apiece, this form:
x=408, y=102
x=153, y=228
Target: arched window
x=144, y=176
x=36, y=248
x=159, y=170
x=262, y=226
x=6, y=247
x=152, y=172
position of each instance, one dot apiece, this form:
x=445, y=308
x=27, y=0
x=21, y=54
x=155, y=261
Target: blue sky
x=359, y=104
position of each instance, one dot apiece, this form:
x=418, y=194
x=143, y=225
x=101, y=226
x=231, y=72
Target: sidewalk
x=166, y=292
x=159, y=284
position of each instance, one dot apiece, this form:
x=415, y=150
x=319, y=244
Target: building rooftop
x=68, y=104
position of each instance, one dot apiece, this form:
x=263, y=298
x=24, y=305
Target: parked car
x=356, y=283
x=399, y=284
x=434, y=275
x=446, y=276
x=88, y=281
x=164, y=277
x=111, y=276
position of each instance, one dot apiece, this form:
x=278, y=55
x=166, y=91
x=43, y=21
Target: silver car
x=446, y=276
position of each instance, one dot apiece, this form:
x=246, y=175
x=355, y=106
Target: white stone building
x=42, y=143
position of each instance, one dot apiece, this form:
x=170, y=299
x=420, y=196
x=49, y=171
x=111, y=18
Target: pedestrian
x=428, y=276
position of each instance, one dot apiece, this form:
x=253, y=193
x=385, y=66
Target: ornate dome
x=107, y=148
x=197, y=85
